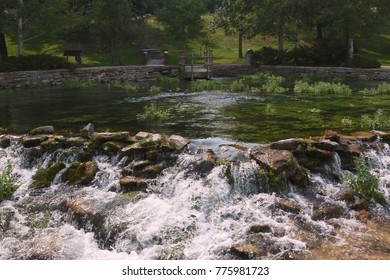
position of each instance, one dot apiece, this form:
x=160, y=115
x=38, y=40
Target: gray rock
x=87, y=131
x=178, y=142
x=48, y=129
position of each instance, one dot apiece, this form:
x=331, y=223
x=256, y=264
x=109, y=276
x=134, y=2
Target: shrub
x=7, y=184
x=364, y=181
x=381, y=89
x=34, y=62
x=359, y=61
x=152, y=113
x=378, y=121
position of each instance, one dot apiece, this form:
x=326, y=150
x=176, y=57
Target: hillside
x=151, y=35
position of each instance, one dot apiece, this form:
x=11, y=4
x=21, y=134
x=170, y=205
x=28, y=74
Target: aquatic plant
x=122, y=85
x=377, y=121
x=381, y=89
x=259, y=83
x=79, y=84
x=364, y=181
x=168, y=83
x=152, y=113
x=205, y=85
x=321, y=88
x=7, y=184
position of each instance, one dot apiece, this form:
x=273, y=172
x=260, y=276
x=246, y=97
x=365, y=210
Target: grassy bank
x=152, y=35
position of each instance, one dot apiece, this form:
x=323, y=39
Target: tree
x=112, y=21
x=349, y=19
x=182, y=18
x=235, y=16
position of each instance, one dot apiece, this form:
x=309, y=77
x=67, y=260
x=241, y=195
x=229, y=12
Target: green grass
x=152, y=35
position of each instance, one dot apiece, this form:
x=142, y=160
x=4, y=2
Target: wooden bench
x=75, y=53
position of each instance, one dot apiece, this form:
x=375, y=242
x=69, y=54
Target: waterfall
x=190, y=211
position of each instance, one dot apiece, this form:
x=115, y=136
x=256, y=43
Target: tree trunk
x=240, y=53
x=296, y=39
x=281, y=39
x=319, y=31
x=112, y=52
x=351, y=49
x=20, y=29
x=3, y=47
x=120, y=56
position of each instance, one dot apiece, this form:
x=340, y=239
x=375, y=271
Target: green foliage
x=7, y=184
x=381, y=89
x=363, y=62
x=378, y=121
x=168, y=83
x=321, y=88
x=122, y=85
x=364, y=181
x=152, y=113
x=33, y=62
x=78, y=84
x=205, y=85
x=182, y=18
x=259, y=83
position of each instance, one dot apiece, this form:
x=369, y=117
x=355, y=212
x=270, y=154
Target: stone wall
x=233, y=70
x=97, y=74
x=134, y=73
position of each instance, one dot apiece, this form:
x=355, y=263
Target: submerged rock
x=5, y=141
x=130, y=183
x=246, y=251
x=287, y=205
x=327, y=212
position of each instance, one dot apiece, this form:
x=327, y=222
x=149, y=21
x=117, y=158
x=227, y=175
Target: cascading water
x=190, y=211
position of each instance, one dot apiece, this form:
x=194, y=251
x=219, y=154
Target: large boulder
x=30, y=141
x=81, y=173
x=48, y=129
x=44, y=176
x=281, y=168
x=178, y=142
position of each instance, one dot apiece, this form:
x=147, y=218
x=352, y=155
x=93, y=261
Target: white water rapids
x=182, y=215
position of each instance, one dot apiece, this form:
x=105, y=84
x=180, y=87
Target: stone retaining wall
x=97, y=74
x=233, y=70
x=134, y=73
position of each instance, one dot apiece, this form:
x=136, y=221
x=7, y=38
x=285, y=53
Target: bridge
x=199, y=67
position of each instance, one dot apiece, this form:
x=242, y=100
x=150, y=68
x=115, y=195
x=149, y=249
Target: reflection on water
x=236, y=116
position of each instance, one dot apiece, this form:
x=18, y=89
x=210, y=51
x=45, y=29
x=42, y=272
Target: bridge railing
x=206, y=63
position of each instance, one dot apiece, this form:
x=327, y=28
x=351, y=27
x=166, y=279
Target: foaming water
x=186, y=213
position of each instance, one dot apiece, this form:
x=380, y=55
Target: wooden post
x=182, y=62
x=192, y=65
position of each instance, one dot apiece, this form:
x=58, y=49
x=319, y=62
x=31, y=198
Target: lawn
x=152, y=35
